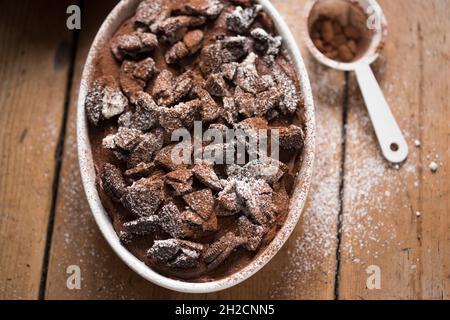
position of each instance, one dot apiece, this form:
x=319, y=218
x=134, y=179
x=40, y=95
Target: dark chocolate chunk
x=176, y=253
x=142, y=226
x=180, y=180
x=291, y=138
x=207, y=176
x=241, y=19
x=201, y=202
x=144, y=197
x=112, y=181
x=251, y=232
x=267, y=44
x=219, y=251
x=133, y=44
x=142, y=170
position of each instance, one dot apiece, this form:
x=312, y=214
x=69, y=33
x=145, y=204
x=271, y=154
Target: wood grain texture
x=299, y=271
x=34, y=53
x=380, y=225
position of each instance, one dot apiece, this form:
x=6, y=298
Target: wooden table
x=361, y=211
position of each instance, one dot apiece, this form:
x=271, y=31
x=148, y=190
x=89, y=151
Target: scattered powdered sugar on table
x=369, y=185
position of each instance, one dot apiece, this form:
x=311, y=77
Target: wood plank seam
x=58, y=160
x=341, y=186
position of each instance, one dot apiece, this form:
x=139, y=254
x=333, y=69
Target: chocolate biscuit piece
x=177, y=52
x=267, y=100
x=201, y=202
x=267, y=44
x=104, y=100
x=241, y=19
x=230, y=110
x=208, y=108
x=245, y=102
x=171, y=221
x=219, y=251
x=112, y=181
x=176, y=253
x=193, y=41
x=257, y=195
x=247, y=76
x=125, y=140
x=146, y=114
x=133, y=45
x=173, y=29
x=180, y=180
x=144, y=197
x=251, y=232
x=291, y=138
x=169, y=90
x=180, y=116
x=223, y=51
x=228, y=71
x=228, y=204
x=146, y=150
x=208, y=8
x=207, y=176
x=164, y=158
x=142, y=170
x=142, y=226
x=289, y=101
x=148, y=12
x=135, y=75
x=216, y=85
x=205, y=226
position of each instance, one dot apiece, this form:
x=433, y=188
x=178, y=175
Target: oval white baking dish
x=121, y=12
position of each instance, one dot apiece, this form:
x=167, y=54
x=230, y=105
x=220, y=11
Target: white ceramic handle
x=393, y=144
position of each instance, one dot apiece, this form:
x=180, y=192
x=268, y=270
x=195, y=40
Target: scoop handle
x=393, y=144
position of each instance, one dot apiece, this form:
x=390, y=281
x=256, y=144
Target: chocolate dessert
x=172, y=68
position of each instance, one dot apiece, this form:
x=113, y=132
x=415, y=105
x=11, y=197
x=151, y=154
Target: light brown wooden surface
x=379, y=224
x=34, y=63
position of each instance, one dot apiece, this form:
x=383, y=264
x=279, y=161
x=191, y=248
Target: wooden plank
x=35, y=54
x=380, y=226
x=303, y=269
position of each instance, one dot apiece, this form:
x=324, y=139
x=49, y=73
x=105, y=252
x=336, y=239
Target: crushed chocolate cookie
x=164, y=158
x=171, y=221
x=219, y=251
x=247, y=76
x=112, y=181
x=290, y=99
x=142, y=170
x=144, y=197
x=142, y=226
x=104, y=100
x=173, y=29
x=266, y=44
x=146, y=150
x=134, y=44
x=180, y=180
x=216, y=85
x=251, y=232
x=291, y=138
x=169, y=90
x=176, y=253
x=148, y=12
x=241, y=19
x=223, y=51
x=207, y=176
x=201, y=202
